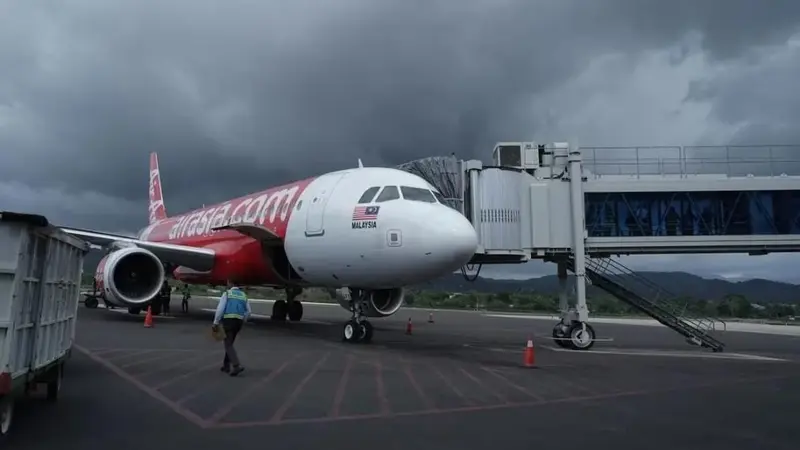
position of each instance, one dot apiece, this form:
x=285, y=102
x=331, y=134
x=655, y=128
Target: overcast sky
x=239, y=95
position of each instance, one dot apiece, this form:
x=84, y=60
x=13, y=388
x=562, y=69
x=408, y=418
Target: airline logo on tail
x=156, y=205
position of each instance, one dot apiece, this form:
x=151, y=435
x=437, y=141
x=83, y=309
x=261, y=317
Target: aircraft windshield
x=417, y=194
x=368, y=195
x=388, y=193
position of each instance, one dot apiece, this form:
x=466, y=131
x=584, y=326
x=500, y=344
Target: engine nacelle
x=374, y=303
x=130, y=276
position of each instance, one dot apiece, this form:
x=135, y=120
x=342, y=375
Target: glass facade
x=721, y=213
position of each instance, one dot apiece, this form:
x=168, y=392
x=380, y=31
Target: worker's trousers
x=232, y=328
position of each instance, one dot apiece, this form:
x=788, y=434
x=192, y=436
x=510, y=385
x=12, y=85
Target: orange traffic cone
x=430, y=317
x=409, y=326
x=529, y=359
x=148, y=318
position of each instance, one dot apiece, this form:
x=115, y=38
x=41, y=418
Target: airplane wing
x=196, y=258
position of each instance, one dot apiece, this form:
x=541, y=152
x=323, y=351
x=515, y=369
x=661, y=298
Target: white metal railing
x=730, y=160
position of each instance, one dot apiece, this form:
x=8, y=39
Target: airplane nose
x=456, y=240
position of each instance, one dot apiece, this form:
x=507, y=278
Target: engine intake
x=131, y=276
x=374, y=303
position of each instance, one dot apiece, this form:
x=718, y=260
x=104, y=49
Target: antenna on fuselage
x=360, y=164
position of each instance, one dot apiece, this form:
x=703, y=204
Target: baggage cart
x=40, y=276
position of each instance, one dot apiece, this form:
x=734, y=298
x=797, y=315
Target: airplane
x=364, y=234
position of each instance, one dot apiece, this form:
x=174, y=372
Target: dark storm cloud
x=761, y=99
x=239, y=95
x=729, y=27
x=758, y=99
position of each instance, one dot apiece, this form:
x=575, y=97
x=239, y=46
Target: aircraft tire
x=295, y=311
x=350, y=331
x=365, y=332
x=279, y=311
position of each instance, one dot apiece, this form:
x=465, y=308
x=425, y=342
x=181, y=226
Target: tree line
x=731, y=306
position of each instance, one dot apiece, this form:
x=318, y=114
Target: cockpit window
x=417, y=194
x=439, y=197
x=388, y=193
x=369, y=194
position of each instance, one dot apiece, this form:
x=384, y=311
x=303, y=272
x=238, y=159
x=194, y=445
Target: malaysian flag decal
x=365, y=213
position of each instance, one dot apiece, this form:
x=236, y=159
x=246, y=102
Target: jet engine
x=130, y=276
x=374, y=302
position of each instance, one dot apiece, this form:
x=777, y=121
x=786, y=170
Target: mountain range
x=678, y=283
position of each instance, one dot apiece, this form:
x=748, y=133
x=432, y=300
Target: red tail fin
x=156, y=207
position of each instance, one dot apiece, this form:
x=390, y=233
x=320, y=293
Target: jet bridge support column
x=573, y=330
x=563, y=300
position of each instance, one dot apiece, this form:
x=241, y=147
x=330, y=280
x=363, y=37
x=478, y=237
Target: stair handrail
x=689, y=327
x=666, y=304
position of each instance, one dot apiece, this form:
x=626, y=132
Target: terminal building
x=581, y=208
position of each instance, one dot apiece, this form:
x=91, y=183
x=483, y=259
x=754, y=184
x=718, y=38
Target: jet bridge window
x=417, y=194
x=388, y=193
x=369, y=194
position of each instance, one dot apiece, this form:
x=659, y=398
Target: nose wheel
x=355, y=331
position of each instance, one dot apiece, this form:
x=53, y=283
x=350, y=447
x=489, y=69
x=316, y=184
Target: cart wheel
x=54, y=385
x=6, y=414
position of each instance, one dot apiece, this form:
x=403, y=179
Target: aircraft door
x=315, y=214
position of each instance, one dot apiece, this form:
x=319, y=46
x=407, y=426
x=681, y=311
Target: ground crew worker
x=233, y=310
x=186, y=296
x=166, y=296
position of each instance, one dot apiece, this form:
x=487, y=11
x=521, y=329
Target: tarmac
x=455, y=383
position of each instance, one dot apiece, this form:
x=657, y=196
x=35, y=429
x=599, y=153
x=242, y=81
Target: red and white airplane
x=366, y=232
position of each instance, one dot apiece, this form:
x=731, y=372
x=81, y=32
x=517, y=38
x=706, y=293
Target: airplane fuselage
x=326, y=231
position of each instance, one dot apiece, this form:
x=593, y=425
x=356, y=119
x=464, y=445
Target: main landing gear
x=90, y=301
x=357, y=329
x=574, y=335
x=290, y=307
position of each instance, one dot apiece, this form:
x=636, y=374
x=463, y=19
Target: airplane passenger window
x=388, y=193
x=417, y=194
x=369, y=194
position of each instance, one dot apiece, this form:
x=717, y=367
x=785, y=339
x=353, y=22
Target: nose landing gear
x=357, y=329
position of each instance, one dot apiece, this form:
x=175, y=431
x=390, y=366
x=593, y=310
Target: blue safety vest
x=236, y=304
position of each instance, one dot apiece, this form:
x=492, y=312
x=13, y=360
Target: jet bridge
x=546, y=202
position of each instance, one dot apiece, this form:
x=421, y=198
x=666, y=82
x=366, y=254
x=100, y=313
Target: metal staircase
x=616, y=279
